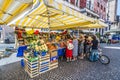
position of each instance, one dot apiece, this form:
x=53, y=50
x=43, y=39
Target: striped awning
x=9, y=9
x=54, y=14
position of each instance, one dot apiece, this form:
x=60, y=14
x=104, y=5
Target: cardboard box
x=53, y=53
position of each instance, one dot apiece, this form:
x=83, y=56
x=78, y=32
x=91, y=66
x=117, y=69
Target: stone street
x=78, y=70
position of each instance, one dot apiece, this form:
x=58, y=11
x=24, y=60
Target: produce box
x=53, y=53
x=44, y=63
x=33, y=59
x=61, y=51
x=53, y=65
x=32, y=67
x=54, y=58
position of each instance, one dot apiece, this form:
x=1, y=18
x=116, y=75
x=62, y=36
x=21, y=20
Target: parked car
x=115, y=38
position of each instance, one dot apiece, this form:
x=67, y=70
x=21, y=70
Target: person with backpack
x=94, y=52
x=69, y=49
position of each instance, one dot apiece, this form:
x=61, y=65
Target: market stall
x=12, y=9
x=41, y=51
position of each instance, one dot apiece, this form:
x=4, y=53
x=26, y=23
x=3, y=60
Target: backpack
x=93, y=56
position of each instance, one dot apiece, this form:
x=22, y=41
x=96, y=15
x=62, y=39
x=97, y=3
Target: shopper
x=94, y=52
x=89, y=42
x=86, y=45
x=69, y=49
x=75, y=49
x=109, y=39
x=81, y=46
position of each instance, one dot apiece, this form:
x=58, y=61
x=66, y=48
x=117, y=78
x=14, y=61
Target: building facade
x=112, y=14
x=94, y=8
x=97, y=6
x=100, y=8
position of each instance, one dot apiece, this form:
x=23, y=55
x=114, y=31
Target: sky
x=118, y=9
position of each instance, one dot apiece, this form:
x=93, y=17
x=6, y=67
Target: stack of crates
x=53, y=59
x=32, y=67
x=44, y=63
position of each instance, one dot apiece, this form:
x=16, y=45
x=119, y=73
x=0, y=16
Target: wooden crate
x=32, y=68
x=44, y=63
x=40, y=66
x=44, y=69
x=53, y=65
x=41, y=58
x=53, y=53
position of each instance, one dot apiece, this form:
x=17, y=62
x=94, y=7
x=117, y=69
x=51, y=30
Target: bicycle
x=99, y=56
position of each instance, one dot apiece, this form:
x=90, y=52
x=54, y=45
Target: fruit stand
x=56, y=16
x=40, y=54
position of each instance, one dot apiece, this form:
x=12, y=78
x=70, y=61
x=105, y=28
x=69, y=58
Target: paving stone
x=77, y=70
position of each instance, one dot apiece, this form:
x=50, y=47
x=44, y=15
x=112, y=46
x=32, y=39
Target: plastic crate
x=21, y=51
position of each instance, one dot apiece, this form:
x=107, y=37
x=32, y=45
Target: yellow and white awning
x=9, y=9
x=54, y=14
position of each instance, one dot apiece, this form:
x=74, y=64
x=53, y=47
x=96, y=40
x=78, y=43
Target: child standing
x=69, y=50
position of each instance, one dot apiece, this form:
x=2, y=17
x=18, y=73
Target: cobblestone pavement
x=78, y=70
